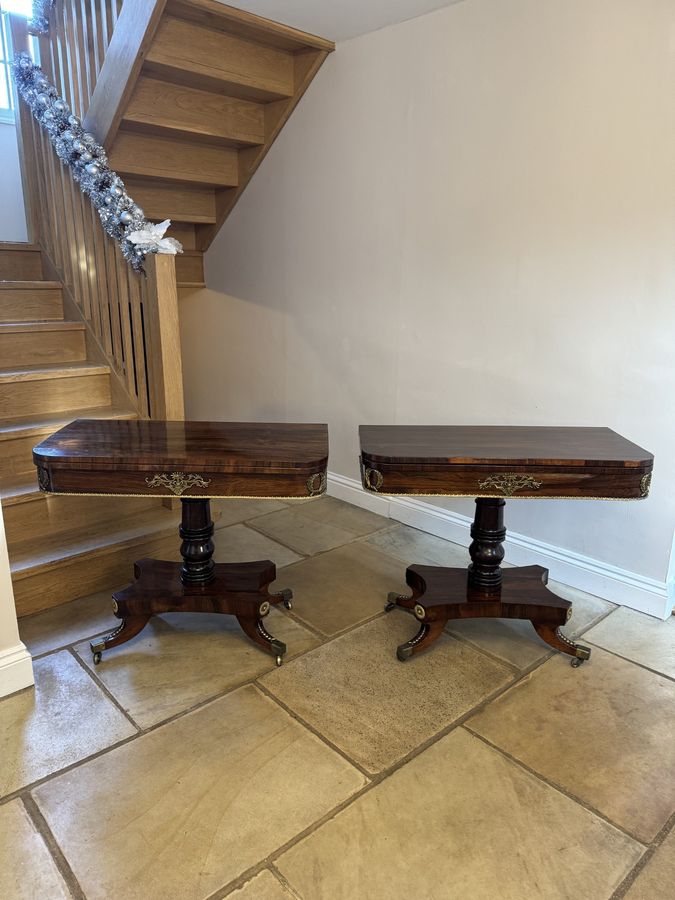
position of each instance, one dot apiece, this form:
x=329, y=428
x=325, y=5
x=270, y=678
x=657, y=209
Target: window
x=22, y=7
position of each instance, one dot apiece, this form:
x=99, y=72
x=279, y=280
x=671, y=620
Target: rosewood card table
x=491, y=463
x=193, y=461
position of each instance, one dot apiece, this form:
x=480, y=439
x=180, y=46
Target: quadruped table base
x=197, y=584
x=484, y=591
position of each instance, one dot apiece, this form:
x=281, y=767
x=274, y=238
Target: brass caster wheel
x=575, y=663
x=403, y=653
x=286, y=597
x=97, y=657
x=279, y=661
x=389, y=606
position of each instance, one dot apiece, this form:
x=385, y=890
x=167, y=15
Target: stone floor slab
x=461, y=821
x=304, y=533
x=27, y=870
x=239, y=543
x=343, y=587
x=411, y=546
x=187, y=808
x=603, y=732
x=181, y=659
x=516, y=641
x=234, y=510
x=64, y=719
x=356, y=693
x=638, y=637
x=63, y=625
x=657, y=880
x=265, y=886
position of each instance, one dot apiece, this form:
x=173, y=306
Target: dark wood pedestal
x=484, y=590
x=198, y=584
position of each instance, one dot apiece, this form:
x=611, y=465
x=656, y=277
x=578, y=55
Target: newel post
x=162, y=349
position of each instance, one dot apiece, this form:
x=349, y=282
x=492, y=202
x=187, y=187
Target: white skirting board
x=582, y=572
x=16, y=670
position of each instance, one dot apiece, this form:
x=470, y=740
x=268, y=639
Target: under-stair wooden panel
x=30, y=301
x=215, y=87
x=40, y=343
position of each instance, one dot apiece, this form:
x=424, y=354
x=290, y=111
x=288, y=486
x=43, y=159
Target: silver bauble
x=93, y=169
x=60, y=105
x=126, y=218
x=86, y=156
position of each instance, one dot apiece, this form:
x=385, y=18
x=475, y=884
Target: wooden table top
x=134, y=457
x=208, y=446
x=487, y=445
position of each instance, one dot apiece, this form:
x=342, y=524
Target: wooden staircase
x=210, y=88
x=187, y=96
x=60, y=547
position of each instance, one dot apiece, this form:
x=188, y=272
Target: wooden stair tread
x=19, y=489
x=21, y=327
x=180, y=111
x=28, y=559
x=207, y=58
x=50, y=371
x=214, y=14
x=15, y=246
x=155, y=156
x=47, y=424
x=180, y=203
x=8, y=285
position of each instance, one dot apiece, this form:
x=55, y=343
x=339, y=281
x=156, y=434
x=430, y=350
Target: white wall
x=16, y=669
x=12, y=211
x=469, y=219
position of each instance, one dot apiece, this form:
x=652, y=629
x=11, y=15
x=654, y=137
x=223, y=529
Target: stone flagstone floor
x=186, y=766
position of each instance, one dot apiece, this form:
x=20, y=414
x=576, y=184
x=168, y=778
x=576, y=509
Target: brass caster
x=392, y=601
x=279, y=660
x=286, y=597
x=97, y=657
x=403, y=652
x=575, y=663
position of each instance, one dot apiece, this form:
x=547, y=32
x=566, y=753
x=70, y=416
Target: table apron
x=611, y=483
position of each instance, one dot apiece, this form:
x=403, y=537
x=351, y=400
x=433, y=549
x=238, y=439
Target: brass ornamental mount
x=316, y=484
x=372, y=479
x=44, y=480
x=645, y=483
x=178, y=482
x=510, y=482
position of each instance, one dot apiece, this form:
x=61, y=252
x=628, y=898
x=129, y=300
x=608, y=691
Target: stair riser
x=20, y=265
x=44, y=516
x=51, y=395
x=30, y=306
x=98, y=571
x=41, y=347
x=16, y=454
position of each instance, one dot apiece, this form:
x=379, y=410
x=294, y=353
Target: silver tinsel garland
x=78, y=149
x=39, y=20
